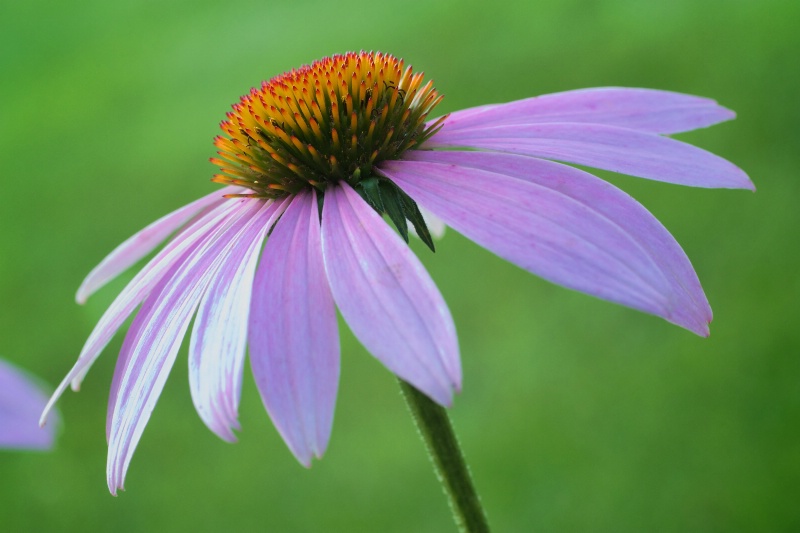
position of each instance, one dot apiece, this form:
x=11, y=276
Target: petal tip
x=444, y=399
x=743, y=181
x=302, y=451
x=698, y=327
x=736, y=178
x=726, y=114
x=703, y=329
x=114, y=487
x=48, y=409
x=228, y=437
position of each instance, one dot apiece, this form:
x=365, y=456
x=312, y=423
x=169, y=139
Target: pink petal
x=143, y=242
x=133, y=294
x=21, y=401
x=562, y=224
x=294, y=339
x=219, y=337
x=638, y=109
x=606, y=147
x=387, y=297
x=155, y=336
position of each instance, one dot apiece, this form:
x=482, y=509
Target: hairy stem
x=436, y=430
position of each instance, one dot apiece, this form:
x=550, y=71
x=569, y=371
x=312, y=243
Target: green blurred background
x=576, y=414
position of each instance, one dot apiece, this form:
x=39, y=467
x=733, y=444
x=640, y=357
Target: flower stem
x=434, y=426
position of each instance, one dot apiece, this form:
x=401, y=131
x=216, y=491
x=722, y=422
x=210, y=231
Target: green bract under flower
x=329, y=121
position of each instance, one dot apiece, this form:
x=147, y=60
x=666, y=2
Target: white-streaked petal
x=294, y=338
x=627, y=151
x=387, y=297
x=134, y=293
x=197, y=260
x=155, y=336
x=143, y=242
x=562, y=224
x=219, y=336
x=647, y=110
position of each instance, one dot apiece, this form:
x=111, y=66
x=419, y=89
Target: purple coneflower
x=21, y=402
x=311, y=161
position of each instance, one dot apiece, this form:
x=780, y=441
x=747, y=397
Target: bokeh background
x=576, y=414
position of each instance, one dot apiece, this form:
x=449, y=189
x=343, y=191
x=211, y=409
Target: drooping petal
x=143, y=242
x=294, y=338
x=134, y=293
x=606, y=147
x=562, y=224
x=219, y=336
x=638, y=109
x=155, y=336
x=21, y=402
x=387, y=297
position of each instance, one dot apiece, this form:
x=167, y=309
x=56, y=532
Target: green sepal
x=414, y=216
x=393, y=203
x=388, y=199
x=320, y=204
x=370, y=191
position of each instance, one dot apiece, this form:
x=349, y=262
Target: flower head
x=21, y=401
x=334, y=120
x=311, y=161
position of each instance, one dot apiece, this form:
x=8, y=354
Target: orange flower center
x=332, y=120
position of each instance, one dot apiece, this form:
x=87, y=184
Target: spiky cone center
x=333, y=120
